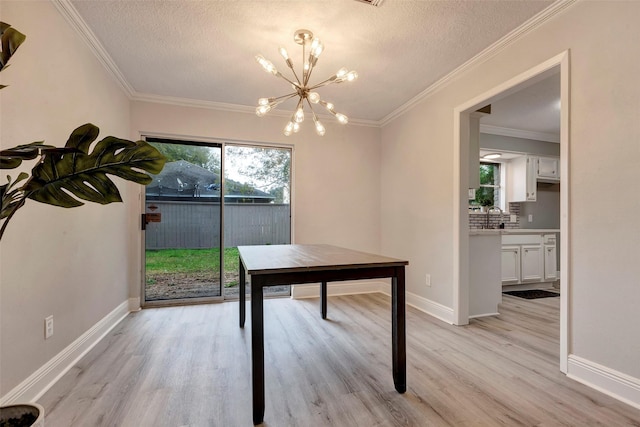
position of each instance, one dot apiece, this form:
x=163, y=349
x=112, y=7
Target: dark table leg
x=323, y=299
x=242, y=294
x=398, y=331
x=257, y=349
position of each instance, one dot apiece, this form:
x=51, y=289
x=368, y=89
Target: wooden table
x=271, y=265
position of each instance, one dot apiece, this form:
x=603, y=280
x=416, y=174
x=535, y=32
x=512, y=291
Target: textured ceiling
x=204, y=50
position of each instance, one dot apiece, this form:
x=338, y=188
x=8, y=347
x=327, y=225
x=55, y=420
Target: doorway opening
x=462, y=123
x=209, y=199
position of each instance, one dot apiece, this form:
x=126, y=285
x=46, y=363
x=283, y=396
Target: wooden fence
x=196, y=225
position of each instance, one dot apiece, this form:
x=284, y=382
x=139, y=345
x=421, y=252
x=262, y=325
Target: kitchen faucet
x=493, y=208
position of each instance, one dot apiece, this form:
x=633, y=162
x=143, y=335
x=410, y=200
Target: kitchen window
x=489, y=192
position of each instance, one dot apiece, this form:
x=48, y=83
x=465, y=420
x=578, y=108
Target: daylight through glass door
x=183, y=224
x=257, y=206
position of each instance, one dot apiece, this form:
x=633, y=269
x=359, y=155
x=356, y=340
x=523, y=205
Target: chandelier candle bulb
x=342, y=118
x=311, y=50
x=319, y=127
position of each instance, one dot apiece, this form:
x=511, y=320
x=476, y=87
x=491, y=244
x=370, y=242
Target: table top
x=272, y=259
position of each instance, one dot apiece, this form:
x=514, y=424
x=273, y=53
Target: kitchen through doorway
x=559, y=66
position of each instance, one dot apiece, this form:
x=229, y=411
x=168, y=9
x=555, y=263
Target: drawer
x=549, y=239
x=521, y=239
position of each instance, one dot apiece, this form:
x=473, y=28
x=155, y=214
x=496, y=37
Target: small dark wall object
x=153, y=217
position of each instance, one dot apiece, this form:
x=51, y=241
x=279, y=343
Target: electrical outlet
x=428, y=280
x=530, y=217
x=48, y=327
x=513, y=218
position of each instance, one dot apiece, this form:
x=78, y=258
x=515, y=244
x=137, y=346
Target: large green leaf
x=11, y=40
x=13, y=157
x=11, y=198
x=64, y=178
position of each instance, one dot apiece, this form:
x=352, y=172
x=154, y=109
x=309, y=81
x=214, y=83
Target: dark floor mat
x=532, y=294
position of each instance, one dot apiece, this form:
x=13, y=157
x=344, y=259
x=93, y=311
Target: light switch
x=530, y=217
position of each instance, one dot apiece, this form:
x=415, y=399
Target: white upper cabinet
x=521, y=179
x=548, y=168
x=525, y=171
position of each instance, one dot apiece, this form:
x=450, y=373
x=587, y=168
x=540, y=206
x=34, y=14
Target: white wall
x=336, y=196
x=69, y=263
x=417, y=149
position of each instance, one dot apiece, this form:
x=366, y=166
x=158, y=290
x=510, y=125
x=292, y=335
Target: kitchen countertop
x=530, y=230
x=500, y=231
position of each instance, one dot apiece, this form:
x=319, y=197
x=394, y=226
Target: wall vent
x=371, y=2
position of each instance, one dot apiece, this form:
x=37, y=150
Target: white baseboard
x=134, y=304
x=338, y=288
x=432, y=308
x=606, y=380
x=32, y=388
x=476, y=316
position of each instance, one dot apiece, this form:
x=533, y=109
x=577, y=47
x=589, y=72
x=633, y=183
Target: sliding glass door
x=183, y=220
x=194, y=220
x=257, y=205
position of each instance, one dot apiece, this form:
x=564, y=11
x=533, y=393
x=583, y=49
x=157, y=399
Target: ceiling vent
x=371, y=2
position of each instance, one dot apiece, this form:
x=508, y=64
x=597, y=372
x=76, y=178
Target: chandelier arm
x=279, y=100
x=311, y=108
x=327, y=82
x=304, y=62
x=283, y=77
x=309, y=73
x=286, y=97
x=300, y=84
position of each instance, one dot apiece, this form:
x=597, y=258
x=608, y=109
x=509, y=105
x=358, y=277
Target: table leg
x=257, y=349
x=242, y=294
x=398, y=331
x=323, y=299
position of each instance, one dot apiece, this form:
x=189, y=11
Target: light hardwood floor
x=189, y=366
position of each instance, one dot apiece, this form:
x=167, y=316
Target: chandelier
x=311, y=50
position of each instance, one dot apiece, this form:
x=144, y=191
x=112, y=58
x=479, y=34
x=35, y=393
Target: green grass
x=190, y=260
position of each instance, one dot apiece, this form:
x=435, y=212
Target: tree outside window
x=489, y=192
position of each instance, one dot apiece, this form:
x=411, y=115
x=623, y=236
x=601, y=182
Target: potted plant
x=22, y=415
x=65, y=176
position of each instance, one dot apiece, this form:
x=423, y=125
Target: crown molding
x=188, y=102
x=235, y=108
x=69, y=12
x=517, y=133
x=483, y=56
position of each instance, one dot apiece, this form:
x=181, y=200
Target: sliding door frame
x=208, y=142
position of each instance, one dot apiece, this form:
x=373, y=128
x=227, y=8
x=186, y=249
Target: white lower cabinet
x=550, y=263
x=531, y=263
x=528, y=258
x=510, y=265
x=550, y=257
